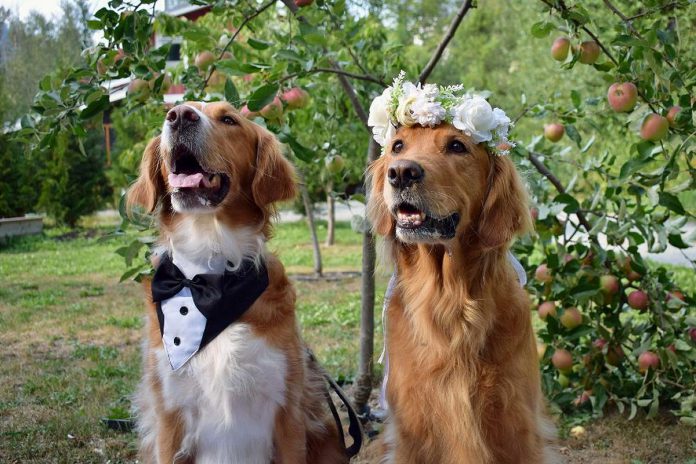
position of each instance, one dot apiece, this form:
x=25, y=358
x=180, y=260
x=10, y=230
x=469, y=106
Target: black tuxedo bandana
x=192, y=312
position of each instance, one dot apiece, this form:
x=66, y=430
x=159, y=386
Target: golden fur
x=464, y=383
x=251, y=157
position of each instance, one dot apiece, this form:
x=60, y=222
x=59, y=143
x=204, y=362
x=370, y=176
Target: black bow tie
x=221, y=298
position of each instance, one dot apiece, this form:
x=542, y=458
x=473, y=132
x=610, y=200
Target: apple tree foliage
x=602, y=196
x=612, y=206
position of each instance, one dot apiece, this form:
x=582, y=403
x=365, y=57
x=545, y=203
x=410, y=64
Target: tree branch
x=360, y=77
x=454, y=25
x=622, y=16
x=544, y=171
x=263, y=8
x=630, y=27
x=656, y=10
x=561, y=7
x=342, y=78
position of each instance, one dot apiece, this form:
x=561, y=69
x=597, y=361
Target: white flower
x=427, y=113
x=383, y=134
x=431, y=91
x=475, y=117
x=379, y=117
x=410, y=93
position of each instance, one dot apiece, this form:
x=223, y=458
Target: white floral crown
x=406, y=104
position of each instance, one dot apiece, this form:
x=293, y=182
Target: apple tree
x=614, y=170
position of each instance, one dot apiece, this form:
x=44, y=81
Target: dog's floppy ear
x=377, y=211
x=274, y=176
x=149, y=187
x=505, y=211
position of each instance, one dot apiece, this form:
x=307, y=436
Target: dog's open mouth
x=414, y=224
x=192, y=185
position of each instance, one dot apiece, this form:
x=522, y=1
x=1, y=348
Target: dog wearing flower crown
x=463, y=382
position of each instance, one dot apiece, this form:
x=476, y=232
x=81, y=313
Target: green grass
x=71, y=335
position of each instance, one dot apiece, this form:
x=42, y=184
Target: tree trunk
x=310, y=222
x=364, y=382
x=331, y=215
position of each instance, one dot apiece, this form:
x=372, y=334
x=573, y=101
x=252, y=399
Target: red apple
x=571, y=318
x=672, y=115
x=671, y=347
x=554, y=132
x=334, y=164
x=102, y=68
x=655, y=127
x=646, y=360
x=622, y=96
x=676, y=294
x=217, y=79
x=248, y=114
x=273, y=110
x=547, y=309
x=638, y=299
x=542, y=274
x=120, y=54
x=303, y=3
x=615, y=355
x=139, y=89
x=599, y=344
x=692, y=334
x=559, y=48
x=609, y=284
x=534, y=212
x=583, y=398
x=296, y=98
x=204, y=59
x=589, y=52
x=562, y=360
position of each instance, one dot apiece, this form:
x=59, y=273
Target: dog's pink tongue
x=185, y=180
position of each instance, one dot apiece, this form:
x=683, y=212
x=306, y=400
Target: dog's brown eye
x=228, y=120
x=397, y=146
x=455, y=146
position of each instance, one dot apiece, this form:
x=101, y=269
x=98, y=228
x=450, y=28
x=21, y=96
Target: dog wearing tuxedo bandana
x=227, y=378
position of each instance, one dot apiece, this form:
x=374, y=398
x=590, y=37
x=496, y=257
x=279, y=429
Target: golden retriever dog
x=464, y=382
x=227, y=378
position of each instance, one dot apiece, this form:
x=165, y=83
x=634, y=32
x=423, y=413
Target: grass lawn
x=70, y=337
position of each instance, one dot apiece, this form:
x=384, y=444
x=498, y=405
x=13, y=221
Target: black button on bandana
x=177, y=341
x=183, y=310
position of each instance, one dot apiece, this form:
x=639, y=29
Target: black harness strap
x=354, y=428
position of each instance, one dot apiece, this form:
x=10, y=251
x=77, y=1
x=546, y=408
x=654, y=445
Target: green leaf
x=542, y=29
x=676, y=241
x=671, y=202
x=258, y=44
x=94, y=25
x=302, y=152
x=290, y=55
x=573, y=134
x=575, y=98
x=231, y=94
x=262, y=97
x=571, y=203
x=96, y=107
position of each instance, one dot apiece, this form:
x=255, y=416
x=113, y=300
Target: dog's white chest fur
x=229, y=394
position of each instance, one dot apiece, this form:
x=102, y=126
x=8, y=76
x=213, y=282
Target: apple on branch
x=622, y=96
x=554, y=132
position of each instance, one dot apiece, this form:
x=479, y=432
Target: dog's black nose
x=404, y=173
x=182, y=116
